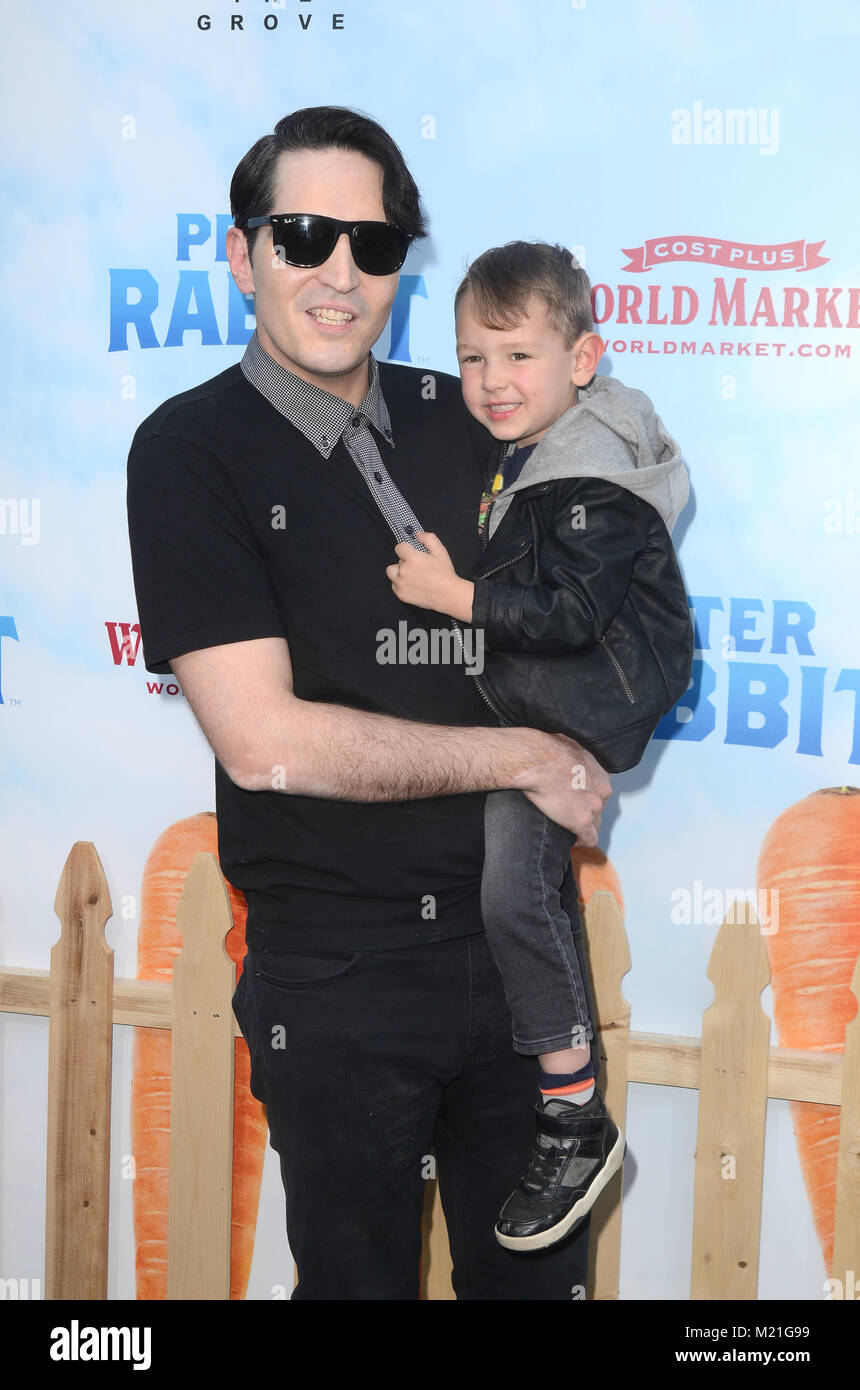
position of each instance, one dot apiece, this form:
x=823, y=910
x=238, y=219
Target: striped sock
x=575, y=1087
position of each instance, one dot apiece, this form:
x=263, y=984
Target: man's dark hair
x=252, y=187
x=503, y=279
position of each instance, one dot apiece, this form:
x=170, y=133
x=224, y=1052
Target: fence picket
x=609, y=957
x=79, y=1076
x=732, y=1104
x=201, y=1095
x=436, y=1264
x=846, y=1239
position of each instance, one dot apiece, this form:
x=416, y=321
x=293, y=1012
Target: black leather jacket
x=587, y=631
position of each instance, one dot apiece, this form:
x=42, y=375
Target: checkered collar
x=319, y=415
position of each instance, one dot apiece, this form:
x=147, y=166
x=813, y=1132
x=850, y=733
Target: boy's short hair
x=503, y=279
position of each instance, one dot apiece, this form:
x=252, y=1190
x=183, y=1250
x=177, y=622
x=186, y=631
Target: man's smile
x=322, y=314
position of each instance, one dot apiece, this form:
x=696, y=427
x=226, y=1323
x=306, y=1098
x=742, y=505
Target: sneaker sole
x=578, y=1211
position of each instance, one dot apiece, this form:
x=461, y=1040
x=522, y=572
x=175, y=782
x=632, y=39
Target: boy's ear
x=587, y=352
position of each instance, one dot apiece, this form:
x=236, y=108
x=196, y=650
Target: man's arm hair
x=267, y=739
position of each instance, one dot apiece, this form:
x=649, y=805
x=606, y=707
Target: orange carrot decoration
x=811, y=857
x=158, y=943
x=593, y=871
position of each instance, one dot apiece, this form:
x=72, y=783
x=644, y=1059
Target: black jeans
x=534, y=933
x=365, y=1062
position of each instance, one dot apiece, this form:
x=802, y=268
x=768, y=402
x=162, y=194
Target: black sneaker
x=576, y=1151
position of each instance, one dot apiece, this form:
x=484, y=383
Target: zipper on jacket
x=486, y=699
x=512, y=561
x=485, y=540
x=485, y=537
x=617, y=664
x=485, y=530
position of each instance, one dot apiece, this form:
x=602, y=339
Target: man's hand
x=430, y=581
x=569, y=786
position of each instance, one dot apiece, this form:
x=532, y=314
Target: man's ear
x=587, y=352
x=239, y=260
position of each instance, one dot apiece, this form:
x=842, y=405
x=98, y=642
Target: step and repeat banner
x=699, y=160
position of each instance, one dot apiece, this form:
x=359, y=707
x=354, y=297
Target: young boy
x=579, y=525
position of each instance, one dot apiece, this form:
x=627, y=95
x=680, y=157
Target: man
x=264, y=506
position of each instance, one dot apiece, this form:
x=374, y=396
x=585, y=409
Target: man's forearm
x=267, y=739
x=345, y=754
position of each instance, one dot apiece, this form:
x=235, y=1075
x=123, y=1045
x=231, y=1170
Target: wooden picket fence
x=732, y=1066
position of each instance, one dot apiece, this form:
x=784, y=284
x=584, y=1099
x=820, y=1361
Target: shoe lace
x=547, y=1161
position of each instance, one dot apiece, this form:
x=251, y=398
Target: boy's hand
x=430, y=581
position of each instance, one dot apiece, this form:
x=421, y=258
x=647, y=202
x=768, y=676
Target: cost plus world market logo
x=728, y=301
x=789, y=255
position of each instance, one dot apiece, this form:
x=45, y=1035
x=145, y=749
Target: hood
x=612, y=432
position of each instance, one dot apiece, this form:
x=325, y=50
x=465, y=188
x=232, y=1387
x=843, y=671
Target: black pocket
x=290, y=970
x=245, y=1020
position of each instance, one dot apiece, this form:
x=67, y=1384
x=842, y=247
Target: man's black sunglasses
x=307, y=239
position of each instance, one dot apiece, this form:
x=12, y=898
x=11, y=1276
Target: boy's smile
x=519, y=381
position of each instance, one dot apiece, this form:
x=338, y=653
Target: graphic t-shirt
x=508, y=472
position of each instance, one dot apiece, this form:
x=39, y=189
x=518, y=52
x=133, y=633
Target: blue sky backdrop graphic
x=551, y=121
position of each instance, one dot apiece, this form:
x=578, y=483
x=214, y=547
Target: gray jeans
x=534, y=930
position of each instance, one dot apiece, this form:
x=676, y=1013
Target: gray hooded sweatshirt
x=612, y=432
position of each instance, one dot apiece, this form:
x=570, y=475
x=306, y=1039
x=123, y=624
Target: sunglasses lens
x=379, y=249
x=304, y=241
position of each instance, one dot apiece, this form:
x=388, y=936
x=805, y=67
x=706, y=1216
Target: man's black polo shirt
x=240, y=529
